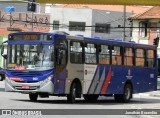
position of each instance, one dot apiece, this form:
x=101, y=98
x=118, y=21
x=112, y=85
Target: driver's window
x=61, y=57
x=61, y=51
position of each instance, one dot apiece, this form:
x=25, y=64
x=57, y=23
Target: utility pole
x=10, y=9
x=124, y=23
x=31, y=7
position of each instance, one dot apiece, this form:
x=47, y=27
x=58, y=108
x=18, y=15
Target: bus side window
x=90, y=53
x=61, y=51
x=76, y=55
x=128, y=57
x=116, y=56
x=104, y=54
x=140, y=57
x=61, y=57
x=150, y=58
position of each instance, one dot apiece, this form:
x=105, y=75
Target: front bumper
x=36, y=87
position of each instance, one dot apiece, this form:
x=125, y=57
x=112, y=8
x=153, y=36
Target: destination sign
x=30, y=37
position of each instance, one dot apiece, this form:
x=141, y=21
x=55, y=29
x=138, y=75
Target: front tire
x=33, y=97
x=1, y=77
x=72, y=96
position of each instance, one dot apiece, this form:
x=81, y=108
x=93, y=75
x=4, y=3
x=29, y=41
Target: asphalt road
x=14, y=101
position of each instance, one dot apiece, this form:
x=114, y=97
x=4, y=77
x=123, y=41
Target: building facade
x=146, y=26
x=90, y=22
x=11, y=22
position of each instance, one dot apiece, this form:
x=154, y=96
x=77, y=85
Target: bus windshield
x=30, y=57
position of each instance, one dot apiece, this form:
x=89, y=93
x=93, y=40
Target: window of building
x=116, y=56
x=90, y=53
x=104, y=54
x=128, y=57
x=150, y=58
x=77, y=26
x=76, y=52
x=55, y=25
x=102, y=28
x=144, y=26
x=140, y=57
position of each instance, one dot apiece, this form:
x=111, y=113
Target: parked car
x=2, y=74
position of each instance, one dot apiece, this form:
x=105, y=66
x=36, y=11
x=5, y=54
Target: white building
x=89, y=22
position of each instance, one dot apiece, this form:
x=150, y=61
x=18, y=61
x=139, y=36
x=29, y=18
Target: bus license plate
x=25, y=87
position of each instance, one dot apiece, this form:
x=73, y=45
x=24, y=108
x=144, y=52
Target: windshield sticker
x=11, y=65
x=20, y=68
x=30, y=67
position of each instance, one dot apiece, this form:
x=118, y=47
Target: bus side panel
x=147, y=79
x=106, y=79
x=142, y=79
x=91, y=76
x=95, y=77
x=59, y=83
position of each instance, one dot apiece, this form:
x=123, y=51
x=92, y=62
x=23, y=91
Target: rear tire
x=33, y=97
x=72, y=96
x=117, y=97
x=126, y=96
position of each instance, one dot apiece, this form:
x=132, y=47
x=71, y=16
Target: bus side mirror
x=2, y=52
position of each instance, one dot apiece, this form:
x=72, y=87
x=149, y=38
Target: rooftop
x=152, y=13
x=134, y=9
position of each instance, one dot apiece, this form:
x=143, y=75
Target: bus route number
x=30, y=37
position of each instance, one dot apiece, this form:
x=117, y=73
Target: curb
x=155, y=95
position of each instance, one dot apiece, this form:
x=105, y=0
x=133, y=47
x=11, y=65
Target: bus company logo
x=129, y=72
x=6, y=112
x=35, y=78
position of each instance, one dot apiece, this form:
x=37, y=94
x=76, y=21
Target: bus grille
x=31, y=88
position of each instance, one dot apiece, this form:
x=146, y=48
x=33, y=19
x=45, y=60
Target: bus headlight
x=9, y=80
x=42, y=83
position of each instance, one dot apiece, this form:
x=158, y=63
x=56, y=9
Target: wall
x=64, y=15
x=91, y=16
x=115, y=19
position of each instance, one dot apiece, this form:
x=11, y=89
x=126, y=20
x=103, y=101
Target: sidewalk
x=149, y=94
x=155, y=93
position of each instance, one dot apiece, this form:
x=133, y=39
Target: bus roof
x=98, y=40
x=119, y=43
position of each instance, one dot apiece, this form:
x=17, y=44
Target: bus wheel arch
x=127, y=93
x=75, y=90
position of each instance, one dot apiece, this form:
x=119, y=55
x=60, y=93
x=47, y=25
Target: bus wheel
x=126, y=96
x=33, y=97
x=90, y=98
x=1, y=78
x=72, y=96
x=117, y=97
